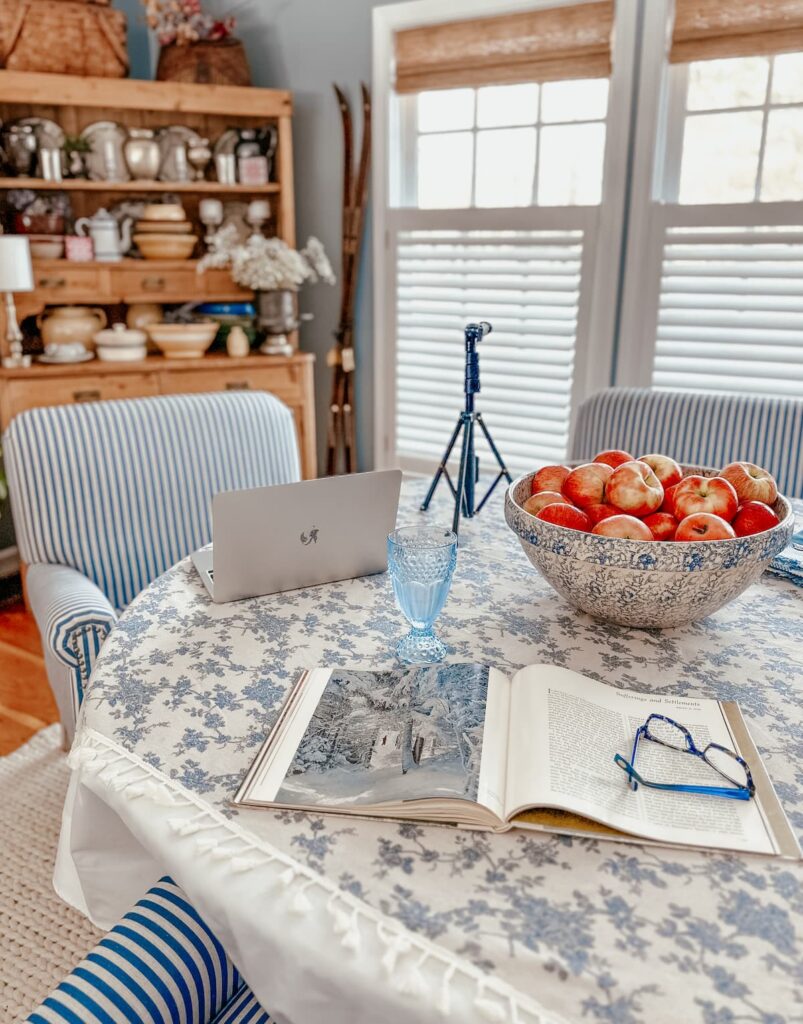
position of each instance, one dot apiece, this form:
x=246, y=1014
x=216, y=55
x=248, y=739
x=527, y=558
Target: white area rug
x=41, y=939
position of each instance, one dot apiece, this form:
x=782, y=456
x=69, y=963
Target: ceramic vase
x=142, y=154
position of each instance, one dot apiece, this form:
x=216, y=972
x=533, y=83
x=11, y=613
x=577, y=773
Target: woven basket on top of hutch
x=210, y=109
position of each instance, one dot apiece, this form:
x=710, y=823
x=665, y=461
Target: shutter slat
x=730, y=314
x=529, y=290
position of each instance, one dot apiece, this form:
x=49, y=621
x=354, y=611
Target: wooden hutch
x=75, y=102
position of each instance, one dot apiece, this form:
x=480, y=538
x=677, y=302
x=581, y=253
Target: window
x=742, y=130
x=511, y=145
x=713, y=296
x=495, y=210
x=506, y=198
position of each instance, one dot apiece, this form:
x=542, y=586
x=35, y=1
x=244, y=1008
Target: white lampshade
x=16, y=272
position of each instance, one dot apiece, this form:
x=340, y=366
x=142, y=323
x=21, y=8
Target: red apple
x=602, y=510
x=661, y=525
x=613, y=457
x=536, y=502
x=704, y=526
x=754, y=517
x=666, y=469
x=751, y=483
x=550, y=478
x=585, y=485
x=668, y=504
x=565, y=515
x=627, y=527
x=634, y=488
x=705, y=494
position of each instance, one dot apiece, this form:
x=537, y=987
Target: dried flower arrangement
x=182, y=22
x=267, y=264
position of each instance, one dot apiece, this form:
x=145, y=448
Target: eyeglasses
x=725, y=762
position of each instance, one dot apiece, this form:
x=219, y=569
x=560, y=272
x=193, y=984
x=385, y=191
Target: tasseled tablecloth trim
x=353, y=921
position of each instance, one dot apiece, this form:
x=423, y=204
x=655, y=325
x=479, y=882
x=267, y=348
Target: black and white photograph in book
x=399, y=735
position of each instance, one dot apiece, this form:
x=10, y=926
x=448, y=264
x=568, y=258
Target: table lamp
x=16, y=275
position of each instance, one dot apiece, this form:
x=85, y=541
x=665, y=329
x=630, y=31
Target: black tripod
x=469, y=473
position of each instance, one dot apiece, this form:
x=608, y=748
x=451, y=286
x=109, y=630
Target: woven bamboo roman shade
x=531, y=46
x=709, y=29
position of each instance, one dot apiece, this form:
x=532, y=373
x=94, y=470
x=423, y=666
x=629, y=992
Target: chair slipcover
x=159, y=965
x=696, y=428
x=106, y=496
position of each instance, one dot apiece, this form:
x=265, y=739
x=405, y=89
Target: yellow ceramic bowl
x=165, y=247
x=183, y=341
x=164, y=227
x=163, y=211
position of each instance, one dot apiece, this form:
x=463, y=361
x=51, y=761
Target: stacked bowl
x=164, y=233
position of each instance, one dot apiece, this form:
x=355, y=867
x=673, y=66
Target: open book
x=465, y=745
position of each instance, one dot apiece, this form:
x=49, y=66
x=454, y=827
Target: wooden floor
x=26, y=703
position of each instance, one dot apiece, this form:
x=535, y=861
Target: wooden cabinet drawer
x=282, y=380
x=31, y=394
x=153, y=283
x=72, y=284
x=217, y=284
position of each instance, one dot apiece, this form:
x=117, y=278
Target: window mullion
x=763, y=144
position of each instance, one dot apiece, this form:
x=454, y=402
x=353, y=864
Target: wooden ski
x=341, y=434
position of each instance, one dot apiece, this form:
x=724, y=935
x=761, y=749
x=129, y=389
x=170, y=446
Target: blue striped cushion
x=74, y=619
x=695, y=427
x=243, y=1009
x=159, y=965
x=122, y=490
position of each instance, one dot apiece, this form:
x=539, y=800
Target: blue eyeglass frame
x=733, y=792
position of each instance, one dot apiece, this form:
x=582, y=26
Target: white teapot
x=110, y=241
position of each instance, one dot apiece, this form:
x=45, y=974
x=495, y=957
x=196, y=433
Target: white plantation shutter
x=527, y=283
x=730, y=310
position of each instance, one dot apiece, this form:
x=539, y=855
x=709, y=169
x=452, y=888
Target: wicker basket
x=72, y=37
x=206, y=63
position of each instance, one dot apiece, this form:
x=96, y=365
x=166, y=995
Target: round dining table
x=337, y=920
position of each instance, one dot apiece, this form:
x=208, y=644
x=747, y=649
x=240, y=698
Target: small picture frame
x=253, y=170
x=79, y=249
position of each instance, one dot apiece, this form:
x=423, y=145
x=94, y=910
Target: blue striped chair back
x=699, y=428
x=122, y=490
x=159, y=965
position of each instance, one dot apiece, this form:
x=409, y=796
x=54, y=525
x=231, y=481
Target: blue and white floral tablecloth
x=336, y=920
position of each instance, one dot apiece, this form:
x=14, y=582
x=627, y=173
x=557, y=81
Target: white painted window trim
x=598, y=313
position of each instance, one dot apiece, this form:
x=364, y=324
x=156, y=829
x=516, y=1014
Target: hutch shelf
x=75, y=102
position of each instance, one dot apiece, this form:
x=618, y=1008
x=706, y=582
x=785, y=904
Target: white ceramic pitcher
x=110, y=241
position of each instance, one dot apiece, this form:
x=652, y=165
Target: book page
x=353, y=739
x=564, y=732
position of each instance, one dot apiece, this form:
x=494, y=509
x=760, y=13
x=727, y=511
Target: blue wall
x=305, y=46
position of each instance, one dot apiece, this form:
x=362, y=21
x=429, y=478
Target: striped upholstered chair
x=160, y=965
x=106, y=496
x=697, y=428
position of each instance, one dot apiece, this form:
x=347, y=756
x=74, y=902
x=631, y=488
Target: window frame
x=599, y=300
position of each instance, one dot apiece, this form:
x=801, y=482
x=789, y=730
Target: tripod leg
x=442, y=467
x=494, y=449
x=470, y=474
x=464, y=469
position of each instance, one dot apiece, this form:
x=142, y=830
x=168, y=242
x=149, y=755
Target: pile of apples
x=648, y=498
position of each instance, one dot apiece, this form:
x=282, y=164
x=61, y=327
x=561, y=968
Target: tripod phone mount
x=464, y=491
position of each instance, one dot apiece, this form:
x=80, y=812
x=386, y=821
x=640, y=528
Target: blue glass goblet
x=421, y=562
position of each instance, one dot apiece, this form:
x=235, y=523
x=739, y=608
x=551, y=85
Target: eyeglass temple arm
x=635, y=778
x=733, y=794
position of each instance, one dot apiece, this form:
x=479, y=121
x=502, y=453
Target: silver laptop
x=288, y=536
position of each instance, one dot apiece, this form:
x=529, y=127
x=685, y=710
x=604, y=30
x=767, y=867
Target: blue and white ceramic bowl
x=650, y=584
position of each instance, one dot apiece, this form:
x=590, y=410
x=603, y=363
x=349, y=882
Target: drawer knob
x=154, y=284
x=88, y=395
x=237, y=385
x=52, y=282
